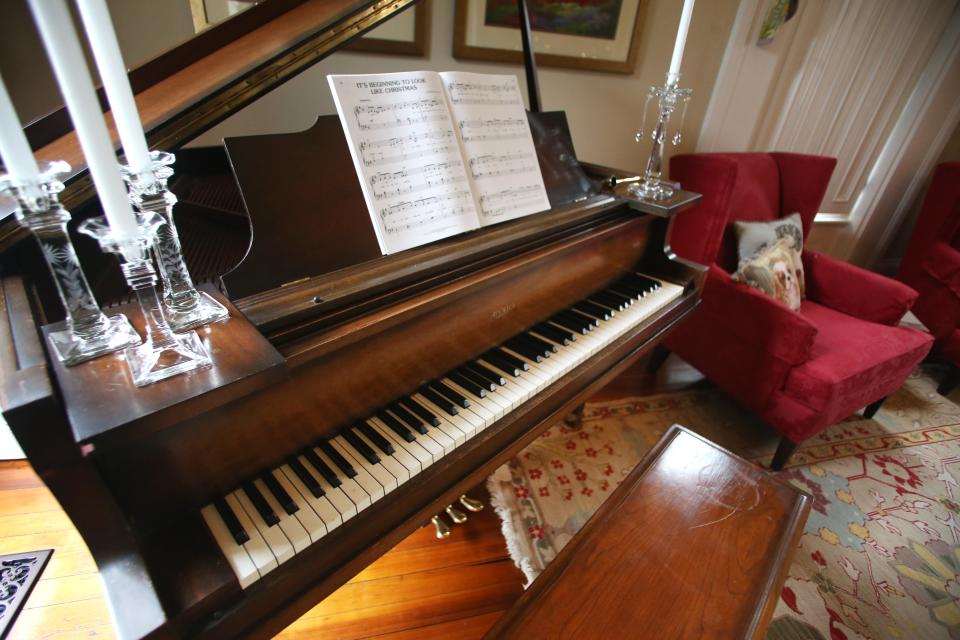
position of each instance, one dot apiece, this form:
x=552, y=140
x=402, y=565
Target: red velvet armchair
x=799, y=371
x=931, y=265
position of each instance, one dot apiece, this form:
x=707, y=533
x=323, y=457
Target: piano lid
x=191, y=88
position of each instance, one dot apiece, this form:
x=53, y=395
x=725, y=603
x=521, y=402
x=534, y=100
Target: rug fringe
x=499, y=503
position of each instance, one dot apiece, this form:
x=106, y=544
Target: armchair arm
x=855, y=291
x=943, y=265
x=755, y=319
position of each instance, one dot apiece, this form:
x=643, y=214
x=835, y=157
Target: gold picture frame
x=473, y=39
x=403, y=36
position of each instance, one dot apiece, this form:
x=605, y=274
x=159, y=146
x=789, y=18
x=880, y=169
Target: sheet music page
x=406, y=153
x=498, y=148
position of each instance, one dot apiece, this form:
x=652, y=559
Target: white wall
x=603, y=108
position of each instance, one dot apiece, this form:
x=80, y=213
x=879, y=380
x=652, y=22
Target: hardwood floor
x=422, y=589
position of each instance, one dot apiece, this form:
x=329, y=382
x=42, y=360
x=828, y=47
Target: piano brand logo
x=503, y=311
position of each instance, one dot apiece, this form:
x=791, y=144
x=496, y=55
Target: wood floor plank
x=27, y=500
x=52, y=591
x=395, y=604
x=20, y=524
x=86, y=619
x=463, y=629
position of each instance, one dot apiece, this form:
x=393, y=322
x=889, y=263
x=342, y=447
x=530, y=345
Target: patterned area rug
x=880, y=555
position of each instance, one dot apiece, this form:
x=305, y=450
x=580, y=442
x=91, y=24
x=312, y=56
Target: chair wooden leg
x=658, y=356
x=784, y=450
x=575, y=418
x=950, y=381
x=872, y=409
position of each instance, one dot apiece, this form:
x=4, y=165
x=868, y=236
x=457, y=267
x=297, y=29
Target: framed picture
x=598, y=35
x=406, y=34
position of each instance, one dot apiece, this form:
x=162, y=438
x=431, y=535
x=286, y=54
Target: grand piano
x=353, y=395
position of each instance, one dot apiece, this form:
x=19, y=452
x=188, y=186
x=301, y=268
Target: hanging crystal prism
x=669, y=96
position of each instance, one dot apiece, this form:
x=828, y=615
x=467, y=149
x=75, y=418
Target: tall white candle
x=681, y=37
x=63, y=47
x=106, y=51
x=14, y=148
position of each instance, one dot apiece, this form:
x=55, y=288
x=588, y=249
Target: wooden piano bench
x=695, y=543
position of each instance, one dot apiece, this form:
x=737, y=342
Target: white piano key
x=336, y=495
x=483, y=407
x=256, y=546
x=366, y=481
x=273, y=536
x=524, y=388
x=307, y=515
x=236, y=555
x=290, y=526
x=409, y=454
x=376, y=472
x=466, y=426
x=388, y=462
x=362, y=489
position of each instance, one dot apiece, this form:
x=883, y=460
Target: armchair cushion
x=777, y=272
x=852, y=362
x=855, y=291
x=754, y=237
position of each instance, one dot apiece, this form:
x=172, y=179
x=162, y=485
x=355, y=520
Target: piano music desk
x=695, y=543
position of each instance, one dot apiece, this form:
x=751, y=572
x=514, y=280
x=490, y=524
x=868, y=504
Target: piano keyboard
x=271, y=518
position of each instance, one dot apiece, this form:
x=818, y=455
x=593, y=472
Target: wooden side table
x=695, y=543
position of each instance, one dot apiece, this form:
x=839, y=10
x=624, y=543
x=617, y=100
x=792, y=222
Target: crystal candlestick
x=89, y=333
x=164, y=353
x=186, y=308
x=669, y=97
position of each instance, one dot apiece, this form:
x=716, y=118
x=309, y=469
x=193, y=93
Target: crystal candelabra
x=163, y=353
x=669, y=97
x=186, y=308
x=89, y=333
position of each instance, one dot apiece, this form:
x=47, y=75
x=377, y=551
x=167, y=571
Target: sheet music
x=501, y=159
x=407, y=156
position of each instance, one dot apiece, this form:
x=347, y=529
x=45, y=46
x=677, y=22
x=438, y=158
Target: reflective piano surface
x=352, y=396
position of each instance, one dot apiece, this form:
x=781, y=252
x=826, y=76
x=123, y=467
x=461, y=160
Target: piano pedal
x=458, y=517
x=470, y=504
x=441, y=527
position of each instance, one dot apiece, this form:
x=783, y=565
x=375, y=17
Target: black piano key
x=337, y=459
x=378, y=440
x=424, y=413
x=411, y=420
x=624, y=289
x=449, y=394
x=594, y=310
x=438, y=400
x=609, y=300
x=476, y=378
x=524, y=348
x=368, y=454
x=571, y=322
x=467, y=384
x=306, y=477
x=642, y=282
x=230, y=519
x=279, y=493
x=555, y=333
x=547, y=347
x=486, y=372
x=653, y=284
x=329, y=474
x=496, y=360
x=590, y=320
x=626, y=301
x=260, y=503
x=515, y=362
x=396, y=426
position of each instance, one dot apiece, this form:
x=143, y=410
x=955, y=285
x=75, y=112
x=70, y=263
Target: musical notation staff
x=493, y=204
x=407, y=181
x=398, y=114
x=411, y=214
x=481, y=93
x=478, y=130
x=493, y=165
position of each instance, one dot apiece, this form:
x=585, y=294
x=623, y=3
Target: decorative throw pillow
x=754, y=237
x=776, y=271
